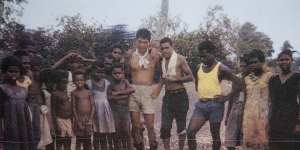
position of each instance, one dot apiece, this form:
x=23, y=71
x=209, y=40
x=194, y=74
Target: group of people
x=108, y=103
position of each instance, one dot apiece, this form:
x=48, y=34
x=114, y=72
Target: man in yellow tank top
x=210, y=106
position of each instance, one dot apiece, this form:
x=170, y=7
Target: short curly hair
x=10, y=61
x=207, y=45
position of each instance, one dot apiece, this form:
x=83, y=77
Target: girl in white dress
x=104, y=126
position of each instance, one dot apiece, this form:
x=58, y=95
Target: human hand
x=170, y=79
x=72, y=54
x=220, y=98
x=114, y=93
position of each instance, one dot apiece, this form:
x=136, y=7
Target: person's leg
x=117, y=143
x=51, y=145
x=96, y=141
x=180, y=110
x=149, y=120
x=110, y=140
x=215, y=133
x=103, y=141
x=181, y=130
x=198, y=119
x=67, y=143
x=78, y=142
x=124, y=134
x=118, y=125
x=166, y=122
x=59, y=143
x=137, y=133
x=216, y=112
x=194, y=126
x=87, y=143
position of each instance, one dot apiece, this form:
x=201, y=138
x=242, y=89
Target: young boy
x=83, y=110
x=118, y=94
x=61, y=112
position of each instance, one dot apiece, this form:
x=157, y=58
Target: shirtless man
x=142, y=65
x=175, y=72
x=210, y=106
x=83, y=110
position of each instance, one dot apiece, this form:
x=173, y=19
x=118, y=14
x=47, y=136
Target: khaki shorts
x=65, y=127
x=141, y=100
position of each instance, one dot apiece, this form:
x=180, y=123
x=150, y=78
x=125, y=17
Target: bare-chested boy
x=83, y=110
x=61, y=112
x=118, y=94
x=142, y=64
x=175, y=72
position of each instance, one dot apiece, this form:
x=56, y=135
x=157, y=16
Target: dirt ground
x=203, y=136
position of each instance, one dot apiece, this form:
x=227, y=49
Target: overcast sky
x=280, y=19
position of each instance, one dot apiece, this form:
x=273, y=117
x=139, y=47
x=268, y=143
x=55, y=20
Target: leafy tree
x=8, y=8
x=249, y=38
x=287, y=46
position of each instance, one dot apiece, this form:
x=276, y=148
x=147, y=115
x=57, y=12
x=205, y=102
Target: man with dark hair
x=143, y=34
x=256, y=108
x=175, y=72
x=211, y=101
x=142, y=64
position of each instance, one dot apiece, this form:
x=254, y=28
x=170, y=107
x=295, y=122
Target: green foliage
x=249, y=38
x=9, y=8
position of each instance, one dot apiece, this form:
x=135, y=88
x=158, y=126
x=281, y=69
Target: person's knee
x=137, y=135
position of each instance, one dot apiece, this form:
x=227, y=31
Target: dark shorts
x=175, y=106
x=209, y=110
x=121, y=117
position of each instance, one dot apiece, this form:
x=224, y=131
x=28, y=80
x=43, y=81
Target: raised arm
x=62, y=60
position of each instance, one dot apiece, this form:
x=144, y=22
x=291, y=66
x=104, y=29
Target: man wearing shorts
x=211, y=103
x=142, y=63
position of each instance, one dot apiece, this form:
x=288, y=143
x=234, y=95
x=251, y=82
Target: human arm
x=92, y=107
x=112, y=95
x=187, y=73
x=226, y=73
x=127, y=91
x=63, y=59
